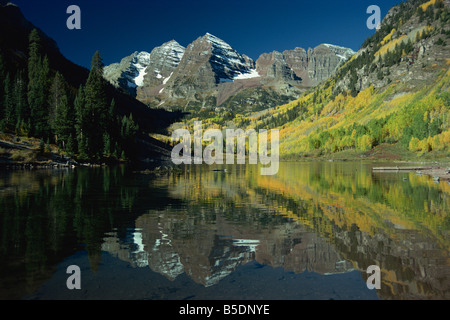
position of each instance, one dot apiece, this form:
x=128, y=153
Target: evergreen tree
x=41, y=146
x=61, y=115
x=21, y=102
x=128, y=137
x=9, y=120
x=2, y=86
x=80, y=123
x=62, y=119
x=107, y=145
x=70, y=147
x=38, y=73
x=419, y=126
x=353, y=83
x=96, y=108
x=110, y=133
x=111, y=113
x=35, y=53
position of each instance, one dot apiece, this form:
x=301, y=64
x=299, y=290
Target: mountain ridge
x=393, y=92
x=213, y=72
x=15, y=32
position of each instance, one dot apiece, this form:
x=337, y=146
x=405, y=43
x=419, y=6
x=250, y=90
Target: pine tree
x=353, y=82
x=9, y=120
x=41, y=146
x=38, y=74
x=35, y=52
x=21, y=102
x=96, y=108
x=80, y=116
x=34, y=66
x=63, y=122
x=70, y=147
x=2, y=86
x=107, y=145
x=110, y=133
x=62, y=119
x=127, y=135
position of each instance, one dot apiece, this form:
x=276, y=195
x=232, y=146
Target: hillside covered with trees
x=38, y=102
x=50, y=107
x=393, y=93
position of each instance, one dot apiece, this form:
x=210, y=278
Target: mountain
x=151, y=69
x=225, y=254
x=129, y=73
x=15, y=30
x=410, y=38
x=311, y=67
x=210, y=74
x=391, y=100
x=206, y=63
x=163, y=62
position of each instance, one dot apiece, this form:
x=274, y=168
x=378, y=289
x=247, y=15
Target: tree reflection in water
x=327, y=218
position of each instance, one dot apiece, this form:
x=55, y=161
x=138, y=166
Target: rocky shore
x=437, y=173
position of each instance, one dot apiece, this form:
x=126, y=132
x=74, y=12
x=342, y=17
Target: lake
x=309, y=232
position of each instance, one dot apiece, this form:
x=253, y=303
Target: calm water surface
x=309, y=232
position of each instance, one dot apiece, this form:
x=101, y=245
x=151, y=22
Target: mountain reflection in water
x=326, y=218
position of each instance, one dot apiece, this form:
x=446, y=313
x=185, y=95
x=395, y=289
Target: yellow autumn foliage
x=427, y=4
x=437, y=143
x=365, y=143
x=390, y=45
x=388, y=37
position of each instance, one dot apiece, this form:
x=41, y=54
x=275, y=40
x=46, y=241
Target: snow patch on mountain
x=250, y=75
x=169, y=54
x=227, y=63
x=133, y=70
x=341, y=52
x=140, y=64
x=167, y=79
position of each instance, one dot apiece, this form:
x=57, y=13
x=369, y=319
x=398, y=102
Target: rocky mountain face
x=211, y=257
x=207, y=62
x=143, y=68
x=209, y=72
x=129, y=73
x=412, y=265
x=14, y=47
x=408, y=48
x=310, y=67
x=163, y=62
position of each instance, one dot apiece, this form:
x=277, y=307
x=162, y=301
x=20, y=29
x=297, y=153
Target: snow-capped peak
x=172, y=49
x=217, y=42
x=143, y=57
x=341, y=52
x=227, y=63
x=165, y=58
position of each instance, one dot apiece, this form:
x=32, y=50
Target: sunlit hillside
x=393, y=92
x=410, y=108
x=419, y=121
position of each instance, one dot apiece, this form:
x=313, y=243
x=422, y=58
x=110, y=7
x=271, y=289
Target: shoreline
x=438, y=170
x=437, y=173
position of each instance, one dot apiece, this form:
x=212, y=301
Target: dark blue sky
x=118, y=28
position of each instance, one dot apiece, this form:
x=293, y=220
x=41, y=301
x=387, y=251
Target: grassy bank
x=382, y=152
